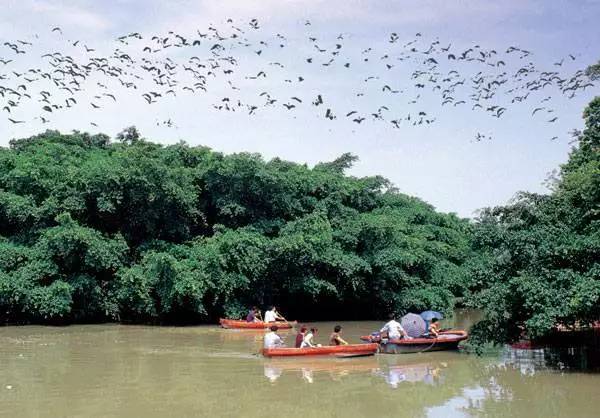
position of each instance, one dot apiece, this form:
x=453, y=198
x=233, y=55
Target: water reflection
x=416, y=373
x=560, y=359
x=272, y=373
x=226, y=335
x=310, y=368
x=428, y=373
x=307, y=375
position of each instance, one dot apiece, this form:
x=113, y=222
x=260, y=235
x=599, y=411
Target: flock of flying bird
x=216, y=63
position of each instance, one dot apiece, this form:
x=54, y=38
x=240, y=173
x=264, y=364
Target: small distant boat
x=343, y=351
x=447, y=340
x=241, y=324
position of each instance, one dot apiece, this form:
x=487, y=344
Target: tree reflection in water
x=585, y=359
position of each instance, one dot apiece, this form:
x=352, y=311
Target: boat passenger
x=308, y=339
x=434, y=328
x=272, y=315
x=253, y=315
x=336, y=338
x=300, y=336
x=394, y=330
x=272, y=339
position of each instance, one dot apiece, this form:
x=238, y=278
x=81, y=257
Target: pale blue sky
x=440, y=163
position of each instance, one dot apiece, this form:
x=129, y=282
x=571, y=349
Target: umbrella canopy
x=413, y=324
x=429, y=315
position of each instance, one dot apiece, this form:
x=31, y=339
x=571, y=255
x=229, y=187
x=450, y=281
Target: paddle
x=284, y=320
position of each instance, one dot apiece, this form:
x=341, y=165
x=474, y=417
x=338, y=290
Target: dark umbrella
x=429, y=315
x=413, y=324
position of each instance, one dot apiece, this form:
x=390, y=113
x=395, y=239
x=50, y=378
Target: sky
x=440, y=163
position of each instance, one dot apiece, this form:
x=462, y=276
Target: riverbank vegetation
x=537, y=264
x=94, y=230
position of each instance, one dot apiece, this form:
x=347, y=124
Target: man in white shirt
x=272, y=315
x=272, y=340
x=394, y=330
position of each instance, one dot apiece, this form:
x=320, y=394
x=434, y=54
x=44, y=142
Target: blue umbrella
x=429, y=315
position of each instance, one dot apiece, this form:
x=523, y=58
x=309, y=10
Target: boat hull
x=238, y=324
x=448, y=340
x=392, y=348
x=338, y=350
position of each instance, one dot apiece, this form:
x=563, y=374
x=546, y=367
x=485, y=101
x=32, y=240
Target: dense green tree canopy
x=538, y=263
x=131, y=230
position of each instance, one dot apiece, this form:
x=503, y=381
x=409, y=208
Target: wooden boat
x=350, y=350
x=446, y=340
x=241, y=324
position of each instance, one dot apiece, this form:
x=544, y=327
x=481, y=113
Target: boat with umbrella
x=415, y=326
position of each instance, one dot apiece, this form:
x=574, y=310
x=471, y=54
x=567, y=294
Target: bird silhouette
x=492, y=80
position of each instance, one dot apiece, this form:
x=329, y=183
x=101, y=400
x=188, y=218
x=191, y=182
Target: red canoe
x=447, y=340
x=350, y=350
x=236, y=323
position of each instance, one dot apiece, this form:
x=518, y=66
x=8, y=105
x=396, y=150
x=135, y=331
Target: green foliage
x=593, y=71
x=129, y=135
x=93, y=230
x=538, y=261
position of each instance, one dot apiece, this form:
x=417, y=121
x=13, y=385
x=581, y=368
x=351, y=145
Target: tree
x=539, y=257
x=340, y=164
x=129, y=135
x=132, y=230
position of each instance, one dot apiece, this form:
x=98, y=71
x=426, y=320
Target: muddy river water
x=146, y=371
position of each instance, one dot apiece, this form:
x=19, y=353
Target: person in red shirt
x=300, y=337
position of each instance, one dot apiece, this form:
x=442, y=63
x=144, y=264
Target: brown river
x=146, y=371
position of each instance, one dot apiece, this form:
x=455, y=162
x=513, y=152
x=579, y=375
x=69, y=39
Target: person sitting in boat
x=272, y=339
x=308, y=339
x=336, y=336
x=394, y=330
x=272, y=315
x=300, y=336
x=434, y=328
x=253, y=315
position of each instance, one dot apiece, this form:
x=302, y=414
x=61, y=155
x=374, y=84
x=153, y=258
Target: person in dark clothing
x=300, y=336
x=253, y=315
